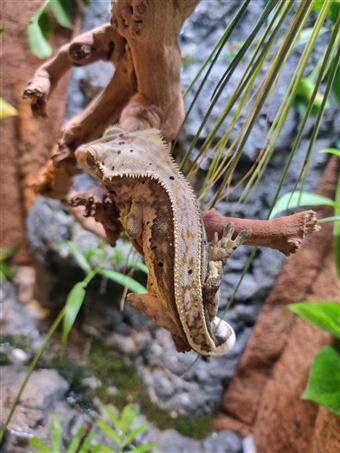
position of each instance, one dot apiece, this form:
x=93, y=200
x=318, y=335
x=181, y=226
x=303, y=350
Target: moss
x=116, y=371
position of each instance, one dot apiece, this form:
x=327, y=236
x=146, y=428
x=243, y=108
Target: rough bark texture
x=25, y=143
x=264, y=396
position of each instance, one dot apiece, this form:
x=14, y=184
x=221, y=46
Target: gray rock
x=44, y=389
x=170, y=441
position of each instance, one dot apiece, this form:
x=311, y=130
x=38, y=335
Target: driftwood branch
x=145, y=91
x=285, y=234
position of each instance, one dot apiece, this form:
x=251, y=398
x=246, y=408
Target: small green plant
x=41, y=25
x=6, y=254
x=6, y=109
x=296, y=199
x=323, y=385
x=119, y=428
x=77, y=294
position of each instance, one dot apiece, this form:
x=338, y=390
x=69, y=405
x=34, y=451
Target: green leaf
x=324, y=380
x=123, y=280
x=100, y=448
x=39, y=445
x=139, y=266
x=114, y=418
x=60, y=14
x=336, y=230
x=298, y=199
x=86, y=445
x=336, y=85
x=143, y=448
x=74, y=444
x=8, y=252
x=109, y=431
x=79, y=256
x=133, y=434
x=6, y=110
x=334, y=151
x=128, y=416
x=73, y=304
x=37, y=41
x=56, y=434
x=334, y=218
x=6, y=272
x=325, y=315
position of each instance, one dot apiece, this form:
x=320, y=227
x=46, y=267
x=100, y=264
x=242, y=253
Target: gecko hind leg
x=219, y=252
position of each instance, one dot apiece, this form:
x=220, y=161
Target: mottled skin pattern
x=159, y=213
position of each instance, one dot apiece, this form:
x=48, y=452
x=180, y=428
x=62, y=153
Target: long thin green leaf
x=297, y=141
x=133, y=434
x=123, y=280
x=79, y=256
x=109, y=431
x=75, y=442
x=287, y=102
x=40, y=445
x=143, y=448
x=56, y=433
x=212, y=58
x=243, y=89
x=128, y=416
x=113, y=416
x=231, y=68
x=331, y=76
x=335, y=152
x=74, y=302
x=86, y=445
x=60, y=14
x=270, y=80
x=334, y=218
x=253, y=68
x=336, y=231
x=298, y=199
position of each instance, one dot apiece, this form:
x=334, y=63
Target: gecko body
x=159, y=212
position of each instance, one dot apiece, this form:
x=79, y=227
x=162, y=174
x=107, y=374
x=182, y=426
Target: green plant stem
x=335, y=218
x=297, y=141
x=269, y=7
x=31, y=368
x=267, y=86
x=331, y=77
x=285, y=106
x=212, y=58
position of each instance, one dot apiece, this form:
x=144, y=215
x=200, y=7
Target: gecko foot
x=222, y=249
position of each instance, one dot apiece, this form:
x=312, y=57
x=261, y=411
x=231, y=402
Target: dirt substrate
x=265, y=395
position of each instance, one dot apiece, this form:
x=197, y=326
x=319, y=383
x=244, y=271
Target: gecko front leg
x=219, y=250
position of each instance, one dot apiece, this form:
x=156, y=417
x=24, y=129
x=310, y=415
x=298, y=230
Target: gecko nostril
x=172, y=177
x=190, y=271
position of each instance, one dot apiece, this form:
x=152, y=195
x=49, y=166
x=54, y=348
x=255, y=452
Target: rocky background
x=117, y=356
